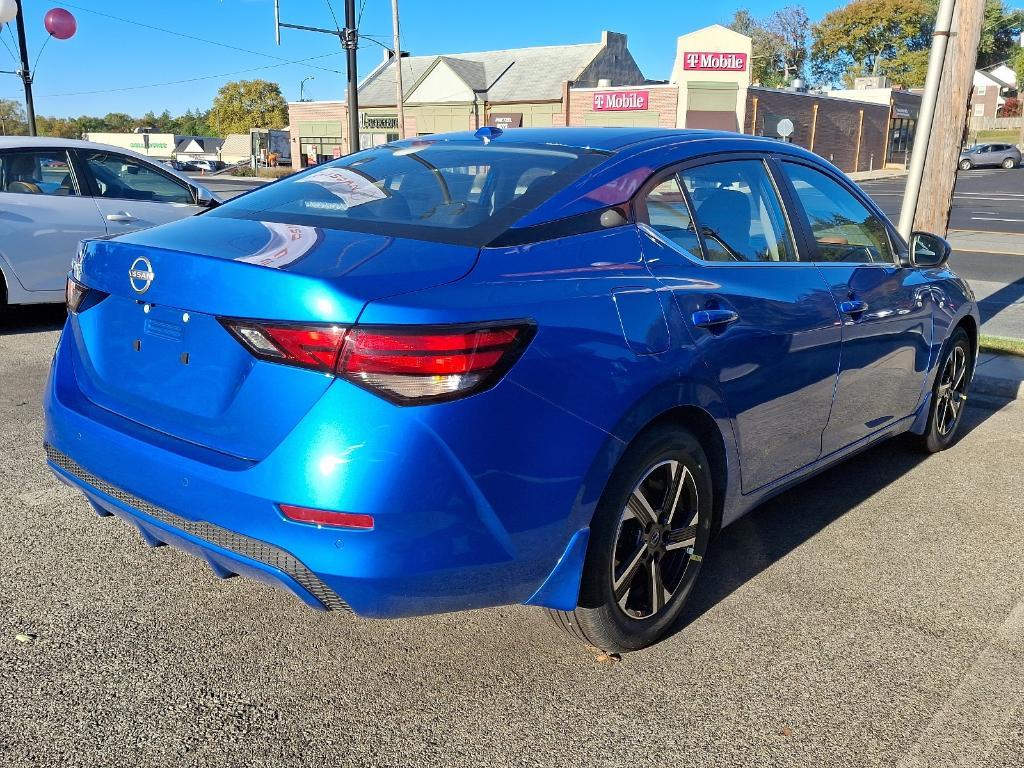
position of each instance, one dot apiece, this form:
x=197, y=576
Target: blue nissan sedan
x=475, y=369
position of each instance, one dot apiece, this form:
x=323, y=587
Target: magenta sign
x=715, y=62
x=621, y=101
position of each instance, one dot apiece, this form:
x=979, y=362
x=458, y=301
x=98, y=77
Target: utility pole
x=26, y=71
x=943, y=117
x=400, y=93
x=349, y=37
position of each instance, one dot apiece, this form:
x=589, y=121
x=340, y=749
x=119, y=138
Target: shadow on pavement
x=995, y=303
x=31, y=319
x=767, y=534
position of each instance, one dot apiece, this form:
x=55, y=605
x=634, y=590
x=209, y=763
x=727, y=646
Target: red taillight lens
x=314, y=347
x=404, y=364
x=411, y=365
x=326, y=517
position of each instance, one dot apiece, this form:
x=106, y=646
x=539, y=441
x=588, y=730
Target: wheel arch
x=702, y=425
x=970, y=325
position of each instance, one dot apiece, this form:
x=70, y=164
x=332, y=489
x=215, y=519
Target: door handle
x=714, y=318
x=853, y=307
x=122, y=216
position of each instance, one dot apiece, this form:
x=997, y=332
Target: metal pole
x=400, y=92
x=350, y=40
x=940, y=39
x=26, y=71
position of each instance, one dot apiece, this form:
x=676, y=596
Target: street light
x=302, y=85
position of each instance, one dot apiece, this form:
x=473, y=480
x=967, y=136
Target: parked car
x=542, y=366
x=1005, y=155
x=56, y=192
x=208, y=166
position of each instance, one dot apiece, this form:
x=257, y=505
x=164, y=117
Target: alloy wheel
x=655, y=539
x=951, y=393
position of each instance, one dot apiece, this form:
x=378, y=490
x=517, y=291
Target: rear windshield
x=458, y=192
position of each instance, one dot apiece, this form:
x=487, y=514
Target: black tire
x=966, y=165
x=946, y=409
x=675, y=546
x=1009, y=163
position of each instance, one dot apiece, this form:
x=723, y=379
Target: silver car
x=57, y=192
x=1005, y=155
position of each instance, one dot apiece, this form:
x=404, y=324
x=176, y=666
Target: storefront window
x=901, y=139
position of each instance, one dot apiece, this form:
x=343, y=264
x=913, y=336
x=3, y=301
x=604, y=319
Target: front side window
x=124, y=178
x=843, y=227
x=669, y=215
x=457, y=192
x=44, y=172
x=738, y=212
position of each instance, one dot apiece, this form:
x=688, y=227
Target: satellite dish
x=785, y=128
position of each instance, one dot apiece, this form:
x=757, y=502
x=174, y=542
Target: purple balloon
x=60, y=23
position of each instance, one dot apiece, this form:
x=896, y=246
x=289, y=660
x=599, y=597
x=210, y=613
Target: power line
x=334, y=16
x=9, y=49
x=191, y=79
x=193, y=37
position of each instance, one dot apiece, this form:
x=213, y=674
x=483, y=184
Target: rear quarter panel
x=579, y=362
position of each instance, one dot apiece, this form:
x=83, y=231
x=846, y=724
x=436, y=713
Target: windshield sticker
x=287, y=244
x=351, y=187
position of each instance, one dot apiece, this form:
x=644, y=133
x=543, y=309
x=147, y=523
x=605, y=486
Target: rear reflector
x=405, y=364
x=325, y=517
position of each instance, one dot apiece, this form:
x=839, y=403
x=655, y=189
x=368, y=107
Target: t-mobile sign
x=621, y=101
x=715, y=62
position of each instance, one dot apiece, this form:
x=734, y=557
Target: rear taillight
x=74, y=294
x=406, y=364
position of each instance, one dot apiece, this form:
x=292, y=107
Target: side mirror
x=205, y=198
x=928, y=250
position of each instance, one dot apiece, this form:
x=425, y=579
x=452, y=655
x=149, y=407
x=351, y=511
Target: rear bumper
x=472, y=506
x=227, y=553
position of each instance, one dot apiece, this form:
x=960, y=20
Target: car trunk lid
x=155, y=350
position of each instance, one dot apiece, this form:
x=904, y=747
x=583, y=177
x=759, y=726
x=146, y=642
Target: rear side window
x=459, y=192
x=738, y=212
x=668, y=213
x=843, y=227
x=44, y=172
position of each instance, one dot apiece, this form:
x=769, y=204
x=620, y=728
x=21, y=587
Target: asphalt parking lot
x=872, y=617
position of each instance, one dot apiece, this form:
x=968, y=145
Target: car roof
x=602, y=138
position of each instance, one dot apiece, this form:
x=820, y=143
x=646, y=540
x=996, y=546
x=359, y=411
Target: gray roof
x=516, y=74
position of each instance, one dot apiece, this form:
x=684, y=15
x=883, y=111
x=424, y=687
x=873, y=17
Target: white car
x=57, y=192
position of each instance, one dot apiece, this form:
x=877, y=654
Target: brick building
x=519, y=87
x=600, y=84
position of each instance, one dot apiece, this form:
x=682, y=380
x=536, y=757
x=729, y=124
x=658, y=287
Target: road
x=987, y=199
x=872, y=617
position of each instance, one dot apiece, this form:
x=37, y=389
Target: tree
x=194, y=123
x=246, y=104
x=1016, y=63
x=779, y=44
x=12, y=118
x=791, y=29
x=999, y=33
x=874, y=37
x=60, y=127
x=1010, y=108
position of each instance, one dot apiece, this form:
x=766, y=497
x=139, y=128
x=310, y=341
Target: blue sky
x=86, y=74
